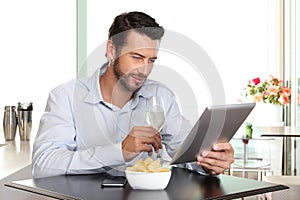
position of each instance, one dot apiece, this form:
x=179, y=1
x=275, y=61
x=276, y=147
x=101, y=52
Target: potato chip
x=147, y=165
x=148, y=160
x=154, y=166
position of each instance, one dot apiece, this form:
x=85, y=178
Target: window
x=38, y=52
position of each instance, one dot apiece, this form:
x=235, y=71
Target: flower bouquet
x=268, y=91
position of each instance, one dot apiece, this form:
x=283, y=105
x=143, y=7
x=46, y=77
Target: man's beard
x=124, y=79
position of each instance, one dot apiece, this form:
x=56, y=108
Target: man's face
x=135, y=61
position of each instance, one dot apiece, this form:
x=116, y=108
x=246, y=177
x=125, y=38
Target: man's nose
x=145, y=69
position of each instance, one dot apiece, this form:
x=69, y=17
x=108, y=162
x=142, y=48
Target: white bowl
x=147, y=180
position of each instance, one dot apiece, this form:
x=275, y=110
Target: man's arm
x=55, y=148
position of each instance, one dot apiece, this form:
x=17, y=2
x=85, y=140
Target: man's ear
x=110, y=50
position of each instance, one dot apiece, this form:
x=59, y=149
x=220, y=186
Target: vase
x=265, y=114
x=248, y=132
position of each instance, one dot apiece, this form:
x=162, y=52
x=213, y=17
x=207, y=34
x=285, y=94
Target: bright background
x=37, y=51
x=38, y=45
x=240, y=37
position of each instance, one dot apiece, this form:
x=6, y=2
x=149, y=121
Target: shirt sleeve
x=54, y=149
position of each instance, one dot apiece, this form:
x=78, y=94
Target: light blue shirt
x=80, y=133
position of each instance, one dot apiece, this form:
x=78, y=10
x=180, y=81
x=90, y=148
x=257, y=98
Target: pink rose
x=273, y=90
x=286, y=91
x=256, y=81
x=283, y=100
x=257, y=97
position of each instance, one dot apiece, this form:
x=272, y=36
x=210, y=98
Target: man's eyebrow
x=138, y=54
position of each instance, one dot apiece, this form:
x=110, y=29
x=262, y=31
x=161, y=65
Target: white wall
x=37, y=51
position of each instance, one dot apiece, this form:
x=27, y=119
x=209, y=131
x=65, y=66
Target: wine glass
x=155, y=115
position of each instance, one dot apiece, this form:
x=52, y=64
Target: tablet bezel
x=218, y=123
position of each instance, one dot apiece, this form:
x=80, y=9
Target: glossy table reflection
x=14, y=155
x=183, y=185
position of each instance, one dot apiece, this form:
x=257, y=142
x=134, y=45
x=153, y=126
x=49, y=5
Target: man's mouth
x=138, y=79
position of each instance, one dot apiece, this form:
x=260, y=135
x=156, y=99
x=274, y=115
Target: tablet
x=217, y=123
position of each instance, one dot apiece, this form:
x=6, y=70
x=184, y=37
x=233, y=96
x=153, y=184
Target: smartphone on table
x=114, y=181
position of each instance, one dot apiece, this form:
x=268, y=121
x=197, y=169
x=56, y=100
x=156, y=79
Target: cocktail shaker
x=25, y=120
x=10, y=122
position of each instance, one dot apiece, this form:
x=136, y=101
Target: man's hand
x=140, y=138
x=218, y=159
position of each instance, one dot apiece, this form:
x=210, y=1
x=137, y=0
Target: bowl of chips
x=148, y=174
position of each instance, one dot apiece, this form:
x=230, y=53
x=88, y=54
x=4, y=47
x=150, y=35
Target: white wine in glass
x=155, y=115
x=156, y=119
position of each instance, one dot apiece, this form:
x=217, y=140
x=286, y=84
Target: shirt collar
x=93, y=85
x=94, y=95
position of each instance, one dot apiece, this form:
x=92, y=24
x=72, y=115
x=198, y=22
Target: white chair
x=252, y=157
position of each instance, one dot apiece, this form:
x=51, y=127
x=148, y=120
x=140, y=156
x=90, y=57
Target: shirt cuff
x=193, y=166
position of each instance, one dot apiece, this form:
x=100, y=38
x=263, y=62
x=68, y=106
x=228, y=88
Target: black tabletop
x=278, y=131
x=184, y=184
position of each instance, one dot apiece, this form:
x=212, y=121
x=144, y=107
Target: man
x=98, y=123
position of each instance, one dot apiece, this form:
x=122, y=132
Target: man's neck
x=111, y=91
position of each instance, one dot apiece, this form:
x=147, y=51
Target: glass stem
x=245, y=153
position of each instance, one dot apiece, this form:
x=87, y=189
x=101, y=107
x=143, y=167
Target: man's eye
x=152, y=60
x=136, y=57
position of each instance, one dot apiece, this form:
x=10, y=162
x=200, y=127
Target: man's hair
x=137, y=21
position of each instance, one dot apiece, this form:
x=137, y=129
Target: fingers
x=217, y=160
x=223, y=147
x=154, y=141
x=212, y=165
x=147, y=135
x=141, y=138
x=223, y=151
x=143, y=131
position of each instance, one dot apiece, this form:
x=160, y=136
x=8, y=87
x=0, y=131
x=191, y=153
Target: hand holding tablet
x=216, y=124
